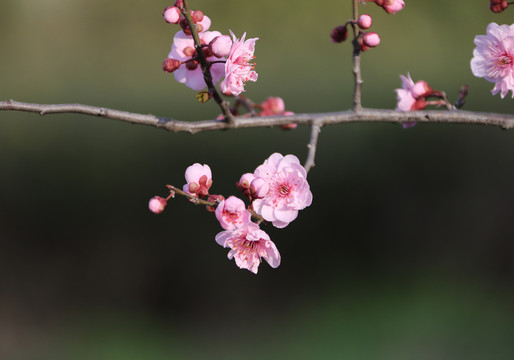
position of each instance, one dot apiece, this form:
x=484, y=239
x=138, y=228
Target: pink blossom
x=190, y=72
x=391, y=6
x=259, y=188
x=288, y=192
x=248, y=245
x=273, y=105
x=493, y=58
x=370, y=39
x=157, y=204
x=404, y=95
x=232, y=213
x=171, y=15
x=239, y=69
x=221, y=46
x=199, y=179
x=365, y=21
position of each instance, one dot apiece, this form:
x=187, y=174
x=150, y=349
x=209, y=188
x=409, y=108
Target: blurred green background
x=406, y=253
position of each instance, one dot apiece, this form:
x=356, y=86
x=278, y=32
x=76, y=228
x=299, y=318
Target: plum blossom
x=493, y=58
x=248, y=244
x=411, y=96
x=404, y=95
x=288, y=192
x=238, y=68
x=221, y=45
x=391, y=6
x=157, y=204
x=199, y=180
x=232, y=213
x=190, y=72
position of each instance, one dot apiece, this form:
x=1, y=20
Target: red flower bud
x=339, y=34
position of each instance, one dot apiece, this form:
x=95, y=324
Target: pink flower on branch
x=238, y=68
x=232, y=213
x=190, y=72
x=199, y=180
x=248, y=245
x=493, y=58
x=391, y=6
x=288, y=190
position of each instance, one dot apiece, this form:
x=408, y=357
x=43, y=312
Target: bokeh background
x=406, y=252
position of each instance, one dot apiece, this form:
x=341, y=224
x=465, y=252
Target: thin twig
x=505, y=121
x=313, y=143
x=357, y=105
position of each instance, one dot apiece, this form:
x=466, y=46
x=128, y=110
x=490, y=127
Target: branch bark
x=505, y=121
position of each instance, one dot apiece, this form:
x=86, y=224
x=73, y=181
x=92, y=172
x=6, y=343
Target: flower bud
x=171, y=15
x=157, y=204
x=370, y=39
x=170, y=65
x=197, y=16
x=391, y=6
x=179, y=3
x=339, y=34
x=259, y=188
x=245, y=181
x=421, y=89
x=365, y=21
x=497, y=6
x=221, y=45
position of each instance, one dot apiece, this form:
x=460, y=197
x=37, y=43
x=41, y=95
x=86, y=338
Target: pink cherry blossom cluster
x=493, y=58
x=228, y=58
x=277, y=190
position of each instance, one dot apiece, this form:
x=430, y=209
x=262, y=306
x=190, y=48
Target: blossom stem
x=357, y=105
x=206, y=66
x=197, y=201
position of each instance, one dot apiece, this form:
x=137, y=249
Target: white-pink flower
x=239, y=69
x=493, y=58
x=232, y=213
x=199, y=180
x=248, y=245
x=190, y=72
x=404, y=95
x=288, y=192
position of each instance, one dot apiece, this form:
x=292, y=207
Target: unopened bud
x=259, y=188
x=421, y=89
x=221, y=45
x=171, y=15
x=179, y=3
x=157, y=204
x=197, y=16
x=365, y=21
x=370, y=39
x=497, y=6
x=339, y=34
x=244, y=183
x=170, y=65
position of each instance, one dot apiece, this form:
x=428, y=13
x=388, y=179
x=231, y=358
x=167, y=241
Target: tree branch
x=313, y=143
x=505, y=121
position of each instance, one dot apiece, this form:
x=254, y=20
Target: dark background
x=406, y=252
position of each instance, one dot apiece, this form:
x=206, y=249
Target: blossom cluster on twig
x=276, y=190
